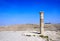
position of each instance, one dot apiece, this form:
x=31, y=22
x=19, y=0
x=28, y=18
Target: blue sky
x=27, y=11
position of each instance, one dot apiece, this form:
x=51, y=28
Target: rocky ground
x=17, y=32
x=53, y=35
x=17, y=36
x=25, y=36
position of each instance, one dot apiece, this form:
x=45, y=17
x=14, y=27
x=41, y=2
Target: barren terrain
x=17, y=32
x=30, y=27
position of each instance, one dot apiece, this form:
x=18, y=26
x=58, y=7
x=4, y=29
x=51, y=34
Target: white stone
x=17, y=36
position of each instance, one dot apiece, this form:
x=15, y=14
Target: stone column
x=41, y=22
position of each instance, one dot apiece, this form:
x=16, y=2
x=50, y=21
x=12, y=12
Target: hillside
x=30, y=27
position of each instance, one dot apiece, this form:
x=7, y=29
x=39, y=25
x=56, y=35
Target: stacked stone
x=42, y=22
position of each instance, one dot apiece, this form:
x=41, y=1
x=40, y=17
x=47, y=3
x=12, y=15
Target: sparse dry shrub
x=41, y=36
x=34, y=35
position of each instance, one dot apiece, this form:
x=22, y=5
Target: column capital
x=41, y=12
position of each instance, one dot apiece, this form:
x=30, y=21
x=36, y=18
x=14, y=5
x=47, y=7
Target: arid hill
x=30, y=27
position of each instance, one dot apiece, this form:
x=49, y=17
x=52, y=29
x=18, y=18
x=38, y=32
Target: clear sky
x=27, y=11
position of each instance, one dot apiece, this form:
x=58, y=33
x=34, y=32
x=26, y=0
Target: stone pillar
x=41, y=22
